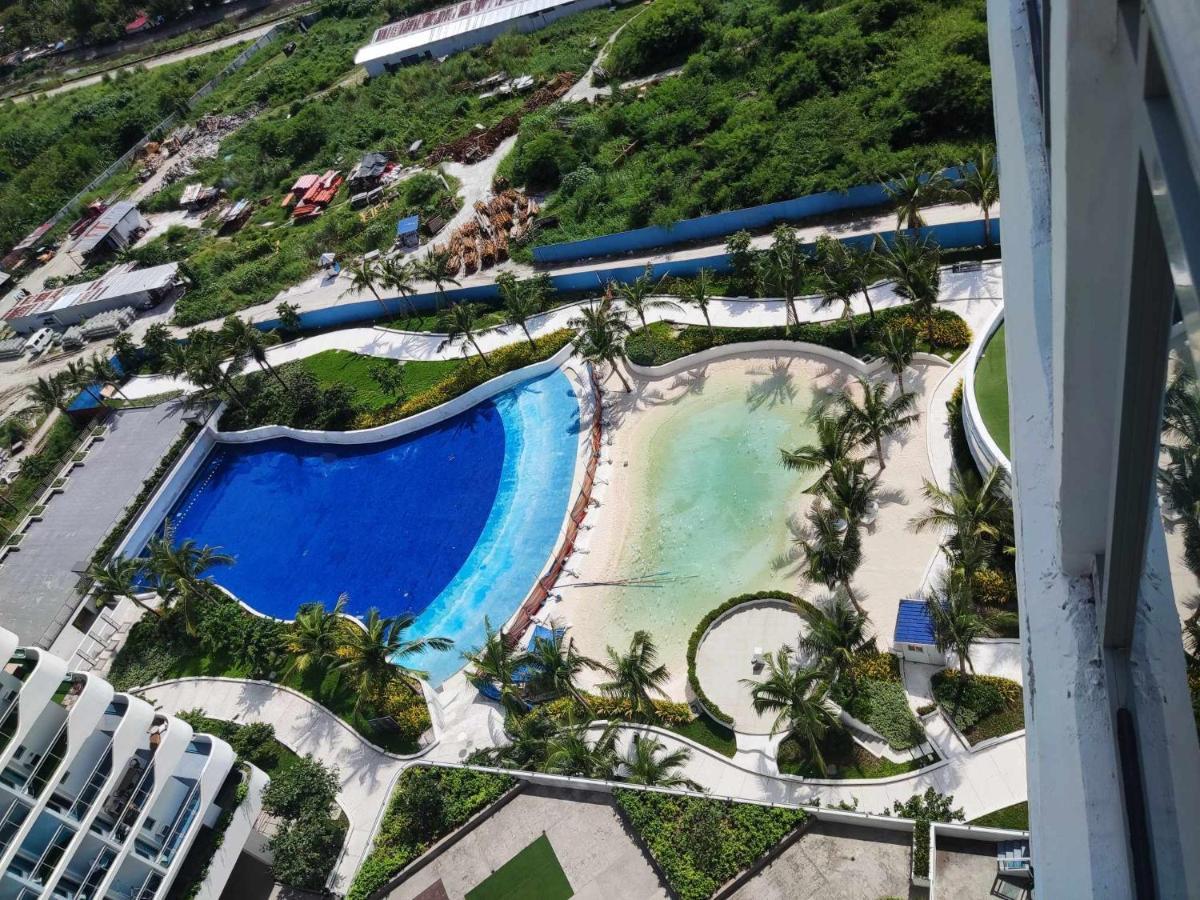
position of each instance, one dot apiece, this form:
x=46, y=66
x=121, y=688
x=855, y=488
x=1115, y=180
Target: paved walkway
x=37, y=582
x=366, y=773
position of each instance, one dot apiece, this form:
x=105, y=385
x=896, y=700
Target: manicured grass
x=708, y=733
x=533, y=874
x=844, y=759
x=1015, y=816
x=343, y=367
x=991, y=389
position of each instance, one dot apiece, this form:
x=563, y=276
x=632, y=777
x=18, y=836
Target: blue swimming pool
x=452, y=523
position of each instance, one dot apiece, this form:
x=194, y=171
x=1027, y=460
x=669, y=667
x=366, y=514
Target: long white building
x=449, y=29
x=100, y=796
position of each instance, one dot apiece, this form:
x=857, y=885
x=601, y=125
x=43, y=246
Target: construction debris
x=482, y=241
x=481, y=144
x=186, y=145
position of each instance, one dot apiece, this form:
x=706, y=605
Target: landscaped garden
x=991, y=390
x=981, y=706
x=702, y=844
x=428, y=804
x=844, y=758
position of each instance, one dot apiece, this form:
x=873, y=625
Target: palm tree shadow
x=892, y=496
x=777, y=388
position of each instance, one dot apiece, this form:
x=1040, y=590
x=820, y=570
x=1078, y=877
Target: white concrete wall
x=237, y=835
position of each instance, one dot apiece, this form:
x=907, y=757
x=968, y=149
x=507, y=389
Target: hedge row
x=662, y=343
x=428, y=804
x=701, y=844
x=694, y=642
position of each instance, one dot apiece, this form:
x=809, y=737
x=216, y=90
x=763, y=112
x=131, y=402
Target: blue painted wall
x=718, y=225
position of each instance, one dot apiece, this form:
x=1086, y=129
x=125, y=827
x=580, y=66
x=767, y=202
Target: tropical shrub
x=924, y=809
x=701, y=844
x=454, y=794
x=884, y=706
x=667, y=31
x=982, y=706
x=307, y=844
x=669, y=713
x=993, y=588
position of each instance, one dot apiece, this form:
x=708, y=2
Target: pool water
x=452, y=523
x=711, y=503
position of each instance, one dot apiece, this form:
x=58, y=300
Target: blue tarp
x=913, y=623
x=408, y=225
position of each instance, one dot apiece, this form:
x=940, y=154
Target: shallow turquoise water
x=712, y=502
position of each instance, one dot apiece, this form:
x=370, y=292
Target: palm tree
x=369, y=654
x=204, y=364
x=838, y=281
x=289, y=316
x=638, y=294
x=699, y=295
x=49, y=393
x=179, y=574
x=118, y=578
x=848, y=490
x=101, y=370
x=972, y=507
x=833, y=551
x=399, y=276
x=913, y=268
x=570, y=753
x=897, y=346
x=364, y=275
x=78, y=375
x=910, y=191
x=460, y=321
x=649, y=763
x=862, y=266
x=833, y=446
x=244, y=340
x=635, y=675
x=781, y=268
x=528, y=737
x=876, y=416
x=1181, y=410
x=496, y=663
x=1179, y=485
x=435, y=266
x=797, y=696
x=957, y=624
x=316, y=636
x=522, y=301
x=601, y=335
x=981, y=186
x=556, y=666
x=836, y=632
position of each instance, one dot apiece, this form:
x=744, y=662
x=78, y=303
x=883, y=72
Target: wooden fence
x=537, y=596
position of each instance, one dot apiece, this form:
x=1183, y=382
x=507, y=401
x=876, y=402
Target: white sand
x=895, y=559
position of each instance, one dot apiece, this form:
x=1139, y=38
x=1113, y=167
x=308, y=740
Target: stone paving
x=38, y=582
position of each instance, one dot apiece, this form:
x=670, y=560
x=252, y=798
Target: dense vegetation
x=33, y=22
x=701, y=844
x=19, y=495
x=776, y=100
x=51, y=147
x=303, y=798
x=926, y=809
x=338, y=391
x=428, y=804
x=873, y=692
x=982, y=706
x=844, y=758
x=662, y=342
x=230, y=642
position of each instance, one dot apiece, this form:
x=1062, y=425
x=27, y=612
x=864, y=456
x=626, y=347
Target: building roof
x=120, y=281
x=33, y=237
x=913, y=623
x=407, y=36
x=370, y=166
x=141, y=21
x=408, y=225
x=105, y=222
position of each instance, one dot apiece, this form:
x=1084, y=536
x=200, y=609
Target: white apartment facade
x=100, y=796
x=1097, y=106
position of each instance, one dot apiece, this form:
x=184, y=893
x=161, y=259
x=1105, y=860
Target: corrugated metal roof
x=408, y=225
x=120, y=281
x=105, y=222
x=914, y=625
x=408, y=35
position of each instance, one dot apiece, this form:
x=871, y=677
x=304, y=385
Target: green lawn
x=533, y=874
x=1015, y=816
x=343, y=367
x=708, y=733
x=991, y=389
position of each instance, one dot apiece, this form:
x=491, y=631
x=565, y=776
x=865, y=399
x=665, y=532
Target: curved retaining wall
x=865, y=369
x=984, y=450
x=447, y=410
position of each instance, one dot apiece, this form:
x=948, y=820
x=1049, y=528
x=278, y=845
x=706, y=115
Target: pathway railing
x=537, y=596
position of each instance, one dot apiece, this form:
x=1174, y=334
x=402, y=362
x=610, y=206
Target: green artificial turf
x=1015, y=817
x=533, y=874
x=991, y=389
